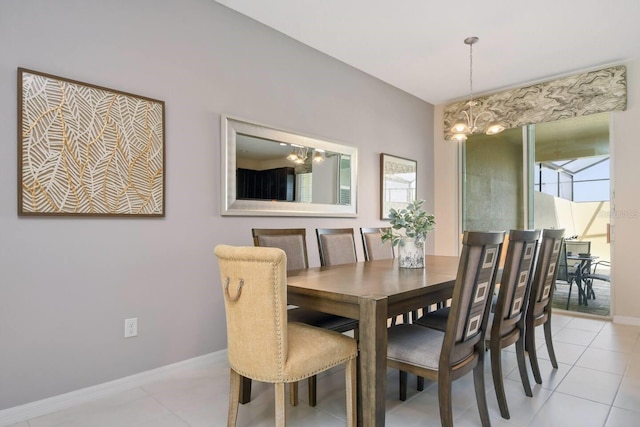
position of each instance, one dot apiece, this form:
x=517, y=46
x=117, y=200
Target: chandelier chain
x=471, y=72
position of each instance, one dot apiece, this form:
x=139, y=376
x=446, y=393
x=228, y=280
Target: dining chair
x=508, y=317
x=566, y=274
x=374, y=247
x=293, y=242
x=539, y=309
x=336, y=246
x=447, y=356
x=261, y=343
x=578, y=246
x=604, y=275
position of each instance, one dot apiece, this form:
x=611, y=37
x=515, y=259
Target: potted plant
x=409, y=229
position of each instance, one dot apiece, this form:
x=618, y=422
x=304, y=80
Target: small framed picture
x=398, y=183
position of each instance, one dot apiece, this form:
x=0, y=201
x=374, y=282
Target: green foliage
x=415, y=223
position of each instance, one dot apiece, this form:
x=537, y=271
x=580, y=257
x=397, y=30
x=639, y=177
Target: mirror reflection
x=275, y=172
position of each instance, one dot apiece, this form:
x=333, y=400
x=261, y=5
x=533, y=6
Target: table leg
x=372, y=361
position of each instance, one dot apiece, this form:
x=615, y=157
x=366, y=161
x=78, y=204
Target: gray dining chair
x=336, y=246
x=447, y=356
x=293, y=242
x=374, y=247
x=508, y=317
x=539, y=309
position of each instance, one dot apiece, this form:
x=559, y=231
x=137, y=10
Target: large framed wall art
x=85, y=150
x=398, y=183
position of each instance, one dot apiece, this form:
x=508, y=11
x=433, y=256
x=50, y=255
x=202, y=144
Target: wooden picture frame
x=398, y=183
x=85, y=150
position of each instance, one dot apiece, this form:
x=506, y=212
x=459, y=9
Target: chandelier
x=300, y=154
x=468, y=124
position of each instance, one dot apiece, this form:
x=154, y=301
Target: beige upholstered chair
x=336, y=246
x=539, y=310
x=373, y=246
x=294, y=243
x=446, y=356
x=261, y=343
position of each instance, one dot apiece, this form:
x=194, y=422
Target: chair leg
x=350, y=380
x=444, y=400
x=549, y=341
x=530, y=345
x=234, y=398
x=293, y=394
x=481, y=396
x=403, y=385
x=281, y=410
x=498, y=380
x=569, y=297
x=245, y=390
x=522, y=366
x=312, y=386
x=420, y=383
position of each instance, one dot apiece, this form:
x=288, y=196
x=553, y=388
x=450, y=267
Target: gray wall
x=67, y=284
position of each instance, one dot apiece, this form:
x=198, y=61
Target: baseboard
x=38, y=408
x=625, y=320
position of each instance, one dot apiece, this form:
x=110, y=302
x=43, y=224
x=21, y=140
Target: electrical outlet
x=131, y=327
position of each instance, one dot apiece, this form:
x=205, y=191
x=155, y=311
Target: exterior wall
x=67, y=284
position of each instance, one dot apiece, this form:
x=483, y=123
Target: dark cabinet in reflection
x=271, y=184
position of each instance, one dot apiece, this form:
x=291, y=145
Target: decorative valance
x=579, y=95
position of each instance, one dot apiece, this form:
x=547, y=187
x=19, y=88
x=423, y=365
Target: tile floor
x=597, y=384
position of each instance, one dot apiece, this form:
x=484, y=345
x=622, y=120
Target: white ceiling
x=417, y=45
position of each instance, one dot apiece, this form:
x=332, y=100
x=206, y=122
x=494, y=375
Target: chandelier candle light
x=467, y=126
x=300, y=154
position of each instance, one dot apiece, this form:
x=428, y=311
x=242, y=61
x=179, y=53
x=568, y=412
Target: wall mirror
x=398, y=183
x=273, y=172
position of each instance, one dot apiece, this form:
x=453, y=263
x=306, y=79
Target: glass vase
x=410, y=255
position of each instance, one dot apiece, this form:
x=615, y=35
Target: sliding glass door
x=551, y=175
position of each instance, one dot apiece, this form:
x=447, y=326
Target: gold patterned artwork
x=88, y=150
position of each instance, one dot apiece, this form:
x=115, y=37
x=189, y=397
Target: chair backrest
x=515, y=284
x=546, y=274
x=472, y=294
x=576, y=247
x=255, y=299
x=563, y=265
x=336, y=246
x=373, y=246
x=293, y=241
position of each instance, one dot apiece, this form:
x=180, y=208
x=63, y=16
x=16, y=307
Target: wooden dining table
x=372, y=292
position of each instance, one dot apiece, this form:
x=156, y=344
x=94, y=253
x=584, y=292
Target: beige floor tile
x=565, y=352
x=624, y=342
x=587, y=324
x=604, y=360
x=551, y=378
x=628, y=396
x=622, y=418
x=590, y=384
x=562, y=410
x=575, y=336
x=140, y=412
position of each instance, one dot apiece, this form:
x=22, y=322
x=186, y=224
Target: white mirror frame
x=230, y=206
